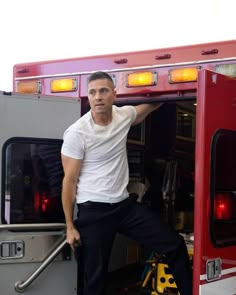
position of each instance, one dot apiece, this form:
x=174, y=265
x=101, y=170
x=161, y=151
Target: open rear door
x=215, y=186
x=34, y=257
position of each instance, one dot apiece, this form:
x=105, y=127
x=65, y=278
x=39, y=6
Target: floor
x=126, y=281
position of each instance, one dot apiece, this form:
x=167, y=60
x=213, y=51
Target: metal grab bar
x=20, y=286
x=28, y=226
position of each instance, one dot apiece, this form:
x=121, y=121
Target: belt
x=91, y=203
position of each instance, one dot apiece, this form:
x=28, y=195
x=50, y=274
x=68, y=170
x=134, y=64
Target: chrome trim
x=227, y=271
x=42, y=226
x=125, y=69
x=20, y=286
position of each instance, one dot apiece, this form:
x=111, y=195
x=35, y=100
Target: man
x=95, y=166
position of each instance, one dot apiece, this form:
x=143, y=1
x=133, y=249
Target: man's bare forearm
x=143, y=110
x=68, y=201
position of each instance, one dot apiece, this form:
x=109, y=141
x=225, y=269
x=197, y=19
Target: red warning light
x=223, y=206
x=44, y=204
x=41, y=202
x=36, y=202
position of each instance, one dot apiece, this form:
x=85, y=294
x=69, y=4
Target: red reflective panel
x=223, y=206
x=36, y=202
x=44, y=204
x=41, y=202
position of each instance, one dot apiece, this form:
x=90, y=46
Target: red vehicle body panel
x=213, y=113
x=200, y=55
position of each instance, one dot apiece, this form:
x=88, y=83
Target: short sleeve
x=131, y=112
x=73, y=145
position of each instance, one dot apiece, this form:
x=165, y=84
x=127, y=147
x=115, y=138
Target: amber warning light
x=227, y=69
x=183, y=75
x=29, y=87
x=64, y=85
x=141, y=79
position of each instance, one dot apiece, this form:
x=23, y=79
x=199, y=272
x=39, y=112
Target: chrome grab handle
x=28, y=226
x=20, y=286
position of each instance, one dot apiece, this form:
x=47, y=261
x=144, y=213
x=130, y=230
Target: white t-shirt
x=104, y=174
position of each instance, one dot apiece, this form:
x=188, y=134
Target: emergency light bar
x=226, y=69
x=29, y=87
x=64, y=85
x=141, y=79
x=183, y=75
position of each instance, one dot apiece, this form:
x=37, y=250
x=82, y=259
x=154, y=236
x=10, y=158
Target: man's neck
x=102, y=119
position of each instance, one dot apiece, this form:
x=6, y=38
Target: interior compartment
x=161, y=158
x=161, y=162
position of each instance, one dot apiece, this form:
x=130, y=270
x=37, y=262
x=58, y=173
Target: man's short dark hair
x=100, y=75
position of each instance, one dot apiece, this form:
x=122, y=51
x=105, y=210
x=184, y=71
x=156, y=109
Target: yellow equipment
x=158, y=279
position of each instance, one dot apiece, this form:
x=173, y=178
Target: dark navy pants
x=99, y=222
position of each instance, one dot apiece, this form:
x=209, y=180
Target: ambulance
x=182, y=161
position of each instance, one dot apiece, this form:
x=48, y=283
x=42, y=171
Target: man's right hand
x=73, y=237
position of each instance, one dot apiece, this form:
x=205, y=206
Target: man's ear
x=114, y=93
x=115, y=96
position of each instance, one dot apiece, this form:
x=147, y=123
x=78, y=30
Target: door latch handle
x=11, y=249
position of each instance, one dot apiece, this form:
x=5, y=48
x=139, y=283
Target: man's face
x=101, y=95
